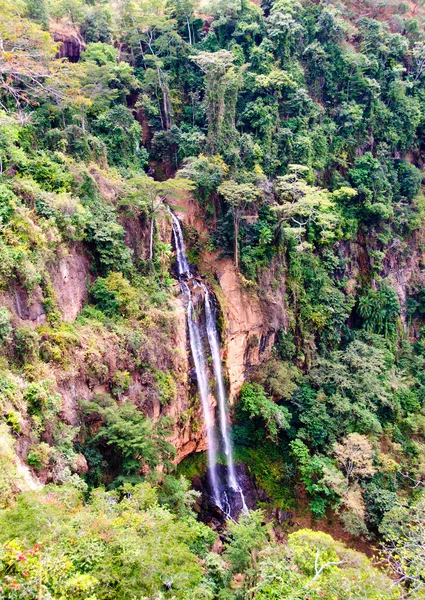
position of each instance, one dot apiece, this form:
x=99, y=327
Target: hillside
x=212, y=299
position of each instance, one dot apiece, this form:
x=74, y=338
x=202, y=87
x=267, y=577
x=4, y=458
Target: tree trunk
x=236, y=224
x=151, y=238
x=166, y=104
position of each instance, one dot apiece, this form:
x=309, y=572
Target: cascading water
x=220, y=496
x=199, y=358
x=204, y=391
x=221, y=394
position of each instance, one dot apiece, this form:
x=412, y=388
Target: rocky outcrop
x=247, y=336
x=70, y=42
x=70, y=276
x=403, y=266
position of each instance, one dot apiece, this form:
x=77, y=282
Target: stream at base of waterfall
x=221, y=491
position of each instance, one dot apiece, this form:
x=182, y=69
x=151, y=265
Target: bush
x=114, y=295
x=166, y=387
x=5, y=324
x=39, y=456
x=26, y=344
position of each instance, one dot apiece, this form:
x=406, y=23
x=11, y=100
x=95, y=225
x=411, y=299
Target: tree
x=149, y=196
x=156, y=44
x=312, y=565
x=184, y=11
x=223, y=81
x=302, y=207
x=403, y=549
x=247, y=538
x=239, y=196
x=379, y=310
x=354, y=454
x=256, y=403
x=140, y=443
x=27, y=72
x=314, y=472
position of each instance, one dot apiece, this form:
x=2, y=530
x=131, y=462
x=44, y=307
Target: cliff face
x=248, y=323
x=403, y=265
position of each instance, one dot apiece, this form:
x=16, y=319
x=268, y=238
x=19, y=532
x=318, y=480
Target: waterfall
x=221, y=394
x=198, y=355
x=220, y=497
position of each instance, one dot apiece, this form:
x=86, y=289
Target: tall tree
x=239, y=196
x=223, y=81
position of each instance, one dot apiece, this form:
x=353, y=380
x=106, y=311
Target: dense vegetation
x=299, y=129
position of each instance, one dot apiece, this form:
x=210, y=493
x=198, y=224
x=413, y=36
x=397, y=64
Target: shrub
x=120, y=383
x=39, y=455
x=114, y=295
x=26, y=344
x=5, y=324
x=166, y=387
x=41, y=400
x=379, y=310
x=254, y=401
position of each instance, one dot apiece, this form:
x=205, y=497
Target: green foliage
x=300, y=127
x=314, y=565
x=248, y=536
x=5, y=324
x=255, y=402
x=379, y=311
x=166, y=386
x=402, y=529
x=312, y=470
x=114, y=295
x=138, y=441
x=127, y=543
x=41, y=400
x=106, y=237
x=121, y=134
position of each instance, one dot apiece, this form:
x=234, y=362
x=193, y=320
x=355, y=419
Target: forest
x=287, y=137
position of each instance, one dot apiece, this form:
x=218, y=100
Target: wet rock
x=232, y=501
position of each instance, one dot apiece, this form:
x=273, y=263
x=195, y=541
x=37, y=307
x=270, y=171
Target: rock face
x=247, y=337
x=403, y=266
x=70, y=276
x=70, y=279
x=71, y=44
x=248, y=323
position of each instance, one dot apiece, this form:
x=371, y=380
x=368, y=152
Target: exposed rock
x=69, y=279
x=250, y=322
x=186, y=438
x=81, y=464
x=71, y=44
x=29, y=307
x=403, y=267
x=246, y=326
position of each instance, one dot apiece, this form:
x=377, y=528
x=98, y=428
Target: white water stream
x=201, y=368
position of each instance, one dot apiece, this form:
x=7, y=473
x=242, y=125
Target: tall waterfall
x=198, y=354
x=219, y=494
x=221, y=394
